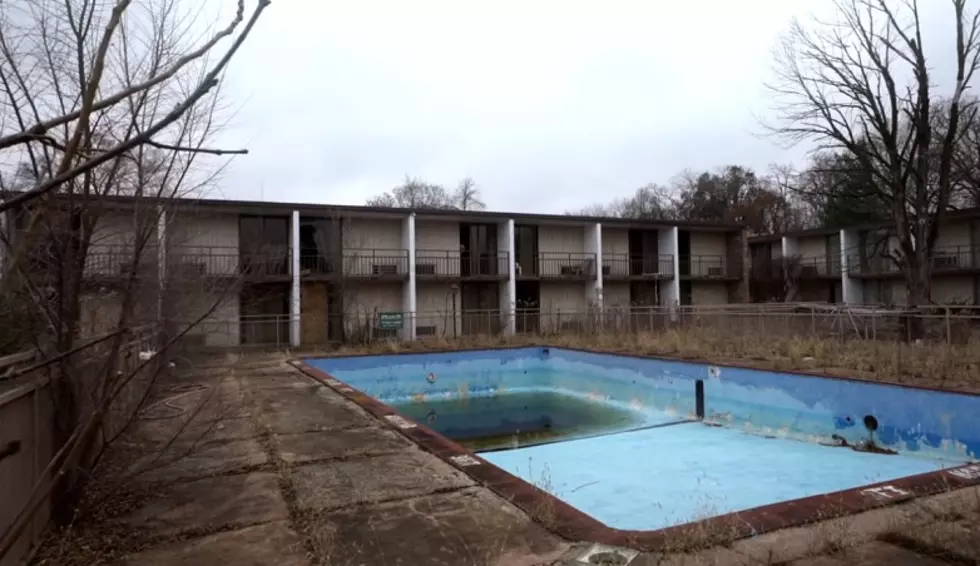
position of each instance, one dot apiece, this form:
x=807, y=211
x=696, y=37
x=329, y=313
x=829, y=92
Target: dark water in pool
x=513, y=420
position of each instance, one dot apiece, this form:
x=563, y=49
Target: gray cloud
x=548, y=105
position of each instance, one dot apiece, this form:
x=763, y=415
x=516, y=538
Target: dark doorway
x=644, y=252
x=264, y=310
x=481, y=308
x=528, y=306
x=319, y=245
x=263, y=244
x=478, y=249
x=684, y=253
x=526, y=250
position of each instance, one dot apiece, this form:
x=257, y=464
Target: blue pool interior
x=617, y=438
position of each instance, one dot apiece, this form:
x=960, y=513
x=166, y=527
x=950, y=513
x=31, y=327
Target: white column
x=294, y=296
x=851, y=288
x=593, y=245
x=667, y=245
x=508, y=287
x=161, y=260
x=409, y=300
x=8, y=239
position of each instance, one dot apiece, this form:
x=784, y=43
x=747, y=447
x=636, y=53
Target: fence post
x=949, y=328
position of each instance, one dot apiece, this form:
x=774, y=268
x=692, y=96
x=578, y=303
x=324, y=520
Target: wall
x=435, y=307
x=211, y=239
x=26, y=415
x=948, y=290
x=437, y=243
x=615, y=240
x=569, y=239
x=561, y=302
x=373, y=234
x=707, y=243
x=954, y=233
x=222, y=327
x=813, y=247
x=616, y=294
x=709, y=293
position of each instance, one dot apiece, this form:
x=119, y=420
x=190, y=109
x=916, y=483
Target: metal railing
x=945, y=259
x=228, y=261
x=260, y=331
x=435, y=264
x=356, y=262
x=761, y=324
x=375, y=263
x=635, y=265
x=557, y=265
x=816, y=266
x=708, y=267
x=120, y=260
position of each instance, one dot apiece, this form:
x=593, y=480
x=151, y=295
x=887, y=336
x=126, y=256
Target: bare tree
x=94, y=180
x=863, y=85
x=467, y=195
x=414, y=193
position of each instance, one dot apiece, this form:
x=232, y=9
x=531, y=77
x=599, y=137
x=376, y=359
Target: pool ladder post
x=699, y=399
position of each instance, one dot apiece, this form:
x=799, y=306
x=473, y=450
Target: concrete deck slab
x=468, y=527
x=871, y=554
x=201, y=429
x=206, y=459
x=345, y=443
x=348, y=482
x=212, y=503
x=959, y=541
x=262, y=545
x=306, y=409
x=277, y=377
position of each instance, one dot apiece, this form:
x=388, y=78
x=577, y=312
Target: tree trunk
x=918, y=293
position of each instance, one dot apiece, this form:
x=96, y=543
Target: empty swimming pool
x=626, y=440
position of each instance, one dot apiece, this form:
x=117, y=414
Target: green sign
x=390, y=320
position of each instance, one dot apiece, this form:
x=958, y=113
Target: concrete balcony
x=453, y=264
x=624, y=266
x=715, y=267
x=562, y=266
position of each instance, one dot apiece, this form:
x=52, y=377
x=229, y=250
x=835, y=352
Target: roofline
x=960, y=214
x=315, y=208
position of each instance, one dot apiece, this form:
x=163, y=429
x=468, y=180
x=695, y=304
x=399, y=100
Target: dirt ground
x=278, y=469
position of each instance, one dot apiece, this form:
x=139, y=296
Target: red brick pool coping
x=573, y=524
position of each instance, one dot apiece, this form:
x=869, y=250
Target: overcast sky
x=549, y=105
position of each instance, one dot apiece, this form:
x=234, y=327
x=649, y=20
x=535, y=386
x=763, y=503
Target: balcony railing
x=558, y=265
x=436, y=264
x=816, y=266
x=228, y=261
x=945, y=259
x=637, y=266
x=708, y=267
x=375, y=263
x=120, y=261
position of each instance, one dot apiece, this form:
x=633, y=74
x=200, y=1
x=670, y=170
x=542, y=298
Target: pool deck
x=288, y=471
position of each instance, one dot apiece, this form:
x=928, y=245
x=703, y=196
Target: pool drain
x=608, y=559
x=602, y=555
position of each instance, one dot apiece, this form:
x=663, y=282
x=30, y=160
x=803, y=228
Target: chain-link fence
x=949, y=325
